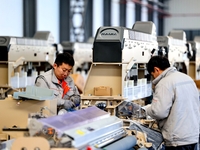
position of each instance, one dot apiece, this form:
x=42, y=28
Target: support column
x=29, y=18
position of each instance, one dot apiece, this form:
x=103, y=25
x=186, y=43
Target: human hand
x=146, y=107
x=62, y=111
x=75, y=100
x=68, y=104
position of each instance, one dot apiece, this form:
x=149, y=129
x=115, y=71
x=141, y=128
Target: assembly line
x=113, y=92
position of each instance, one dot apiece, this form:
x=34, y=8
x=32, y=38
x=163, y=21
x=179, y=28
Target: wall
x=11, y=18
x=185, y=14
x=48, y=17
x=130, y=14
x=97, y=15
x=115, y=13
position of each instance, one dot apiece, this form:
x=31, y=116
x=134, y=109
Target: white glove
x=146, y=107
x=62, y=111
x=76, y=100
x=68, y=104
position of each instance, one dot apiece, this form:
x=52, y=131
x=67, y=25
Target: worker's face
x=62, y=71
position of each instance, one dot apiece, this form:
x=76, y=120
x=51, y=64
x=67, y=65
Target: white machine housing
x=174, y=48
x=90, y=127
x=38, y=51
x=82, y=53
x=194, y=70
x=117, y=52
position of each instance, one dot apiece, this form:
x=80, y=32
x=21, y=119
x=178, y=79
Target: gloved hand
x=75, y=100
x=146, y=106
x=62, y=111
x=68, y=104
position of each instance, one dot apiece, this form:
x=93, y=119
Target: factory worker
x=58, y=79
x=175, y=105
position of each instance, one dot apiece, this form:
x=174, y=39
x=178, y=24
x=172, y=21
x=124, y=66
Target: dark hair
x=157, y=61
x=64, y=58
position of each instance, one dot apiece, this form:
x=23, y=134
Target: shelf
x=102, y=97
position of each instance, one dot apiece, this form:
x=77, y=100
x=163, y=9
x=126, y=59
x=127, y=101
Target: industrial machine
x=23, y=57
x=90, y=128
x=83, y=129
x=16, y=110
x=21, y=60
x=117, y=74
x=118, y=71
x=194, y=69
x=82, y=53
x=176, y=49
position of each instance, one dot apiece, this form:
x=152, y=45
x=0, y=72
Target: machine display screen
x=107, y=52
x=4, y=53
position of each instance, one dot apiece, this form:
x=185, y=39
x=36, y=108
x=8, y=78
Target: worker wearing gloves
x=58, y=79
x=175, y=105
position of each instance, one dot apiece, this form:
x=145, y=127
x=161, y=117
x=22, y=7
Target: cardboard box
x=103, y=91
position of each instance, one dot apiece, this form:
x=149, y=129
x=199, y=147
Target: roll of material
x=125, y=143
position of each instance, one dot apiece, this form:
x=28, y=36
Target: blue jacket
x=176, y=107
